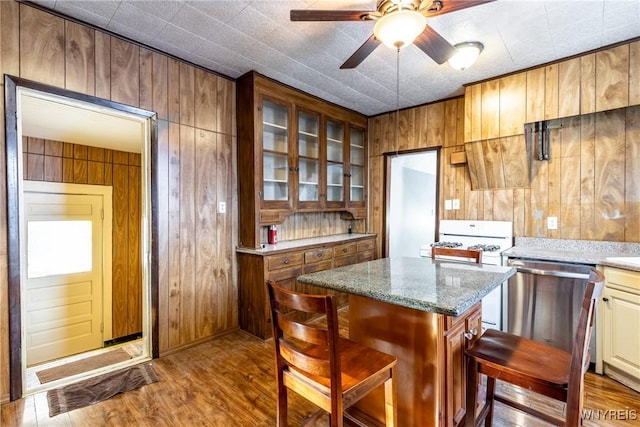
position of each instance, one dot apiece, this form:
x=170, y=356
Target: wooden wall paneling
x=587, y=177
x=569, y=220
x=80, y=62
x=206, y=237
x=226, y=305
x=520, y=202
x=490, y=117
x=373, y=127
x=462, y=187
x=588, y=83
x=80, y=165
x=162, y=168
x=492, y=157
x=450, y=132
x=146, y=79
x=467, y=114
x=536, y=222
x=476, y=112
x=612, y=78
x=134, y=279
x=226, y=106
x=535, y=94
x=477, y=164
x=174, y=262
x=4, y=297
x=376, y=201
x=447, y=183
x=173, y=94
x=634, y=73
x=103, y=65
x=435, y=124
x=41, y=46
x=188, y=246
x=471, y=204
x=406, y=127
x=125, y=72
x=187, y=94
x=486, y=208
x=95, y=166
x=9, y=39
x=205, y=100
x=554, y=189
x=120, y=234
x=390, y=138
x=610, y=175
x=460, y=124
x=551, y=94
x=515, y=166
x=422, y=123
x=569, y=87
x=503, y=205
x=160, y=69
x=632, y=184
x=513, y=101
x=570, y=137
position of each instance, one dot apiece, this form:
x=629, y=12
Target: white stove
x=493, y=237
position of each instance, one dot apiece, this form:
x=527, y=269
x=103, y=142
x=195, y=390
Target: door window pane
x=58, y=247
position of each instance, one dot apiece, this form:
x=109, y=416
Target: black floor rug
x=97, y=389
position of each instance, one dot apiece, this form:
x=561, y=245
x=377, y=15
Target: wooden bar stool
x=474, y=255
x=331, y=371
x=534, y=366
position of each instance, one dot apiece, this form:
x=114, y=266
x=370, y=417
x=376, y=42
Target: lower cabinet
x=284, y=267
x=620, y=310
x=459, y=333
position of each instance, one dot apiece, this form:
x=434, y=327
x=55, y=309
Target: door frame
x=12, y=86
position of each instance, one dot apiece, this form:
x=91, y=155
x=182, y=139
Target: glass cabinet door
x=335, y=161
x=275, y=152
x=356, y=164
x=308, y=158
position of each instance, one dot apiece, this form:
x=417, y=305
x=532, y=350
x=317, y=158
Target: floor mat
x=97, y=389
x=83, y=365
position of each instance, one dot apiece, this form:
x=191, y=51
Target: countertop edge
x=291, y=245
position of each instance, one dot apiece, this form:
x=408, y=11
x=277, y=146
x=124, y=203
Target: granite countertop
x=576, y=251
x=300, y=243
x=440, y=286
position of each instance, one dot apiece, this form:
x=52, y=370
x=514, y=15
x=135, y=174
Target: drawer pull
x=473, y=332
x=344, y=250
x=320, y=254
x=286, y=261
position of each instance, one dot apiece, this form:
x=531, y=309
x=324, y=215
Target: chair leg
x=282, y=405
x=472, y=392
x=491, y=387
x=390, y=410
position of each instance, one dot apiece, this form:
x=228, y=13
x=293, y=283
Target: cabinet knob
x=320, y=254
x=605, y=299
x=286, y=261
x=473, y=332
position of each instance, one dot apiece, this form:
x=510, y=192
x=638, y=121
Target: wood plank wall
x=197, y=161
x=314, y=224
x=57, y=161
x=590, y=184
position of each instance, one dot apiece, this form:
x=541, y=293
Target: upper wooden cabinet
x=296, y=153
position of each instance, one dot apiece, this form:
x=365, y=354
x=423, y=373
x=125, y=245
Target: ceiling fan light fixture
x=399, y=29
x=467, y=54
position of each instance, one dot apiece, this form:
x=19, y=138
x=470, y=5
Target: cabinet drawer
x=281, y=261
x=366, y=245
x=317, y=266
x=622, y=279
x=280, y=276
x=345, y=249
x=365, y=256
x=345, y=260
x=318, y=255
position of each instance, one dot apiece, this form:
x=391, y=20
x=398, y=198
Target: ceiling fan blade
x=330, y=15
x=362, y=52
x=434, y=45
x=447, y=6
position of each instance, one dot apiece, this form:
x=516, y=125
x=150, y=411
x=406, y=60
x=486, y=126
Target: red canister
x=273, y=235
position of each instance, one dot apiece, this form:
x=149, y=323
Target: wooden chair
x=315, y=362
x=474, y=255
x=534, y=366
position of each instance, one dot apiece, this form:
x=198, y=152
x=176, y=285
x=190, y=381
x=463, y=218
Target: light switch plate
x=222, y=207
x=456, y=203
x=552, y=223
x=447, y=205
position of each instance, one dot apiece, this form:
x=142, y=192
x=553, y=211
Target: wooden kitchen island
x=424, y=312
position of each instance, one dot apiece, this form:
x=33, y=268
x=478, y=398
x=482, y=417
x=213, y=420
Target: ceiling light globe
x=399, y=29
x=467, y=54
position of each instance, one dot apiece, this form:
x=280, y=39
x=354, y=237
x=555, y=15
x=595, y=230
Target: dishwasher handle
x=554, y=273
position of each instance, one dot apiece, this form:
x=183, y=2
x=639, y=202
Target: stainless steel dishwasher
x=544, y=299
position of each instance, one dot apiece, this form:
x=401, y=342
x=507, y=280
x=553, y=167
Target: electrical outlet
x=447, y=205
x=222, y=207
x=552, y=223
x=456, y=203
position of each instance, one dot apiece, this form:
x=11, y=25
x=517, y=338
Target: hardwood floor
x=230, y=382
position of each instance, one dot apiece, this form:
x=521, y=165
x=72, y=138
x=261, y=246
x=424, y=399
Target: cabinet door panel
x=621, y=343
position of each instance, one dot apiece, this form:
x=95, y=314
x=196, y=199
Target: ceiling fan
x=398, y=24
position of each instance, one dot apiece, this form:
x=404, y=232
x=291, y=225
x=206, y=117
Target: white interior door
x=63, y=290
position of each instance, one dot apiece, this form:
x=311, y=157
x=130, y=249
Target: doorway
x=47, y=113
x=411, y=188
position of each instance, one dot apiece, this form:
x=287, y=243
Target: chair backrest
x=309, y=348
x=474, y=255
x=580, y=352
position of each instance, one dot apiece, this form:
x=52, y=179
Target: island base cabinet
x=621, y=342
x=431, y=370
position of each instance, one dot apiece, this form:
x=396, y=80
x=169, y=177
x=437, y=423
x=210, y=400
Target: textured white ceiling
x=233, y=37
